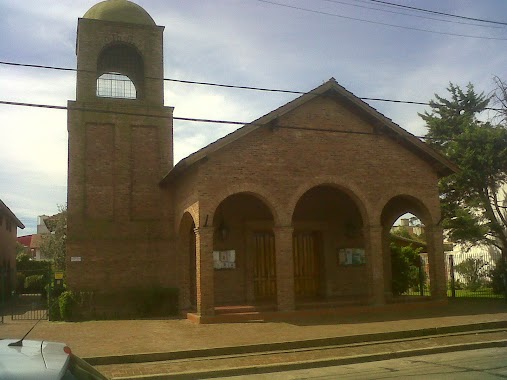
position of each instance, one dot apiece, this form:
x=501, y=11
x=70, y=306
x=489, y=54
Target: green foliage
x=24, y=263
x=498, y=277
x=20, y=248
x=35, y=283
x=405, y=263
x=53, y=245
x=68, y=301
x=471, y=208
x=474, y=272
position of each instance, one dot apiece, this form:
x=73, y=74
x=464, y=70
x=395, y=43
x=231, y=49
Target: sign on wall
x=224, y=259
x=351, y=256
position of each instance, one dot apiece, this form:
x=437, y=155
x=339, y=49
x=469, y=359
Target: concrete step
x=282, y=360
x=261, y=355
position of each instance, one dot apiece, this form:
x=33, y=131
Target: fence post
x=421, y=276
x=2, y=285
x=451, y=273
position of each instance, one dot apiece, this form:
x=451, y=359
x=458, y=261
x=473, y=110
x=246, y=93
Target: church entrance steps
x=237, y=314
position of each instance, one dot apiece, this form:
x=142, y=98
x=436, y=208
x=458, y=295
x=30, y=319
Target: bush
x=474, y=272
x=405, y=263
x=67, y=302
x=35, y=284
x=25, y=263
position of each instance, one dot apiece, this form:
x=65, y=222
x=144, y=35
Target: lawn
x=481, y=293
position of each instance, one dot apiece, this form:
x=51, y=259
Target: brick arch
x=349, y=188
x=247, y=188
x=415, y=205
x=193, y=212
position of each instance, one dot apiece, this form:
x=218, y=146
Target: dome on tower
x=119, y=11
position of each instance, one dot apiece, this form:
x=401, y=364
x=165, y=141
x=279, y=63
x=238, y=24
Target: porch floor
x=266, y=312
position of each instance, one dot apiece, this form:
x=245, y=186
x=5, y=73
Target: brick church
x=292, y=209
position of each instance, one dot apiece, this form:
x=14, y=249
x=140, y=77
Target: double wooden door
x=264, y=266
x=306, y=248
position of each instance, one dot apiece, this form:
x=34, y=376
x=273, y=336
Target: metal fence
x=474, y=275
x=421, y=278
x=23, y=294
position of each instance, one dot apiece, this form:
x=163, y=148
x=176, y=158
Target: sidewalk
x=109, y=338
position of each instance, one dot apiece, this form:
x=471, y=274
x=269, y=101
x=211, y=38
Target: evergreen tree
x=472, y=199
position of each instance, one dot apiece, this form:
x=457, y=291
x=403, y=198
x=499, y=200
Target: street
x=481, y=364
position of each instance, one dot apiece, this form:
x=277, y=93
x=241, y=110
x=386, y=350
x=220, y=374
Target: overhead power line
x=211, y=121
x=295, y=92
x=439, y=13
x=411, y=14
x=379, y=22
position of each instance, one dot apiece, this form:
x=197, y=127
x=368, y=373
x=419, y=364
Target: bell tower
x=120, y=146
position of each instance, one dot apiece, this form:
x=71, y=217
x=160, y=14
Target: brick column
x=375, y=264
x=284, y=268
x=205, y=271
x=436, y=257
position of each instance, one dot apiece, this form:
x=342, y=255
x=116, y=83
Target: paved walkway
x=104, y=338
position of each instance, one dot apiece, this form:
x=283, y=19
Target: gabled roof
x=7, y=210
x=25, y=240
x=384, y=125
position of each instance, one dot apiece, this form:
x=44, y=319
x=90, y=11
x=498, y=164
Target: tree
x=404, y=268
x=473, y=271
x=472, y=206
x=53, y=245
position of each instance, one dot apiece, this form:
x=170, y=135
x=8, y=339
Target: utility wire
x=439, y=13
x=295, y=92
x=412, y=14
x=216, y=84
x=379, y=22
x=212, y=121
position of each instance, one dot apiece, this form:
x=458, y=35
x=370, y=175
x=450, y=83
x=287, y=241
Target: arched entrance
x=328, y=246
x=244, y=251
x=406, y=252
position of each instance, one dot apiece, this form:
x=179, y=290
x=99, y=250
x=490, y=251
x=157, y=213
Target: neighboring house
x=489, y=253
x=292, y=208
x=32, y=243
x=9, y=225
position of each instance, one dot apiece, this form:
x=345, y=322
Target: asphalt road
x=484, y=364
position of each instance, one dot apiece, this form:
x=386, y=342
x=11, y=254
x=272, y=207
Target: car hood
x=39, y=360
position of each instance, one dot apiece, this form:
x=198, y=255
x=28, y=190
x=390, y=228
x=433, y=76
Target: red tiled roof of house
x=25, y=240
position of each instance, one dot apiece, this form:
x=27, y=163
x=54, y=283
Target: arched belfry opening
x=120, y=72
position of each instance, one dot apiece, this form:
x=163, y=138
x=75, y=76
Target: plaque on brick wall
x=224, y=259
x=351, y=256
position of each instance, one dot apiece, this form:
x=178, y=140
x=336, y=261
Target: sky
x=371, y=49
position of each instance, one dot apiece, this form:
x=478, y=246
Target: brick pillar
x=436, y=257
x=375, y=264
x=205, y=271
x=284, y=268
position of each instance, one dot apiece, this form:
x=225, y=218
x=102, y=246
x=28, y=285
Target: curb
x=282, y=346
x=270, y=368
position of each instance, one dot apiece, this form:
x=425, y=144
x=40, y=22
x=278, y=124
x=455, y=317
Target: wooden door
x=264, y=266
x=306, y=263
